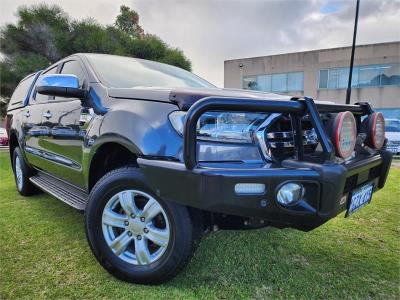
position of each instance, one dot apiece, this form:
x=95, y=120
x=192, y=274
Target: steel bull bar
x=213, y=189
x=296, y=107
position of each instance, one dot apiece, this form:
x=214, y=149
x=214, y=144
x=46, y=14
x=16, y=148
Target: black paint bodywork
x=62, y=136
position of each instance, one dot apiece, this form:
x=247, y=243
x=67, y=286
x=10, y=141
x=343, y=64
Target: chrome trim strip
x=53, y=157
x=289, y=144
x=260, y=135
x=288, y=134
x=33, y=151
x=309, y=137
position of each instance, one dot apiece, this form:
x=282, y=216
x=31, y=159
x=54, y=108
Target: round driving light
x=374, y=127
x=290, y=193
x=343, y=131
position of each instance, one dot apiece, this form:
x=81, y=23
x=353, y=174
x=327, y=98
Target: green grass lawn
x=44, y=254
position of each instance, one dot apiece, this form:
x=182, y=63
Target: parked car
x=392, y=128
x=157, y=156
x=3, y=137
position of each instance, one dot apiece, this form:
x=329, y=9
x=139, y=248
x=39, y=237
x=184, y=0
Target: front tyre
x=134, y=235
x=21, y=174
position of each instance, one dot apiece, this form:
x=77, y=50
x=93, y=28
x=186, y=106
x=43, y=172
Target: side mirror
x=62, y=85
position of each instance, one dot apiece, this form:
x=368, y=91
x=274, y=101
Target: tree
x=44, y=34
x=128, y=21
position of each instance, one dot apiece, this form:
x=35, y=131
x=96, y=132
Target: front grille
x=276, y=137
x=281, y=144
x=285, y=139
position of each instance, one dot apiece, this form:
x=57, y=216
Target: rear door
x=32, y=126
x=67, y=130
x=18, y=113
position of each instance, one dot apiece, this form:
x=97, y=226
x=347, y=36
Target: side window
x=21, y=91
x=44, y=98
x=74, y=67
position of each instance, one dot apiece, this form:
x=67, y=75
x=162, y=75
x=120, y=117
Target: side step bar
x=61, y=190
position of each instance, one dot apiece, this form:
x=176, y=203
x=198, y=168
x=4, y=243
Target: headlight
x=226, y=127
x=177, y=119
x=233, y=127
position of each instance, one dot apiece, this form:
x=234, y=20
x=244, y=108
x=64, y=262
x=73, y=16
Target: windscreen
x=127, y=72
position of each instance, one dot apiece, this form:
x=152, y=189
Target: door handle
x=47, y=115
x=27, y=114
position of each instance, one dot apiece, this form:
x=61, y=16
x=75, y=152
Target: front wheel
x=135, y=235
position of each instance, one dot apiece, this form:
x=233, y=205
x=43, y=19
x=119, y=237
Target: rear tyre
x=135, y=235
x=22, y=172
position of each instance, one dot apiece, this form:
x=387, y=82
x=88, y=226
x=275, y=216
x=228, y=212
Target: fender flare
x=104, y=139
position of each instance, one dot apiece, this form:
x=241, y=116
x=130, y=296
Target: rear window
x=21, y=92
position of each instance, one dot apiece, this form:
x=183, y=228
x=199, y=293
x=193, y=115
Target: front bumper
x=212, y=188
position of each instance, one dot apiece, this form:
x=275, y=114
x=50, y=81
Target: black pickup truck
x=156, y=156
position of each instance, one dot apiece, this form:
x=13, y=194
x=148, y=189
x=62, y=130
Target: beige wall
x=310, y=62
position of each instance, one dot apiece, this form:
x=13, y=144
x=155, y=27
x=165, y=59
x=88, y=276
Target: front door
x=67, y=121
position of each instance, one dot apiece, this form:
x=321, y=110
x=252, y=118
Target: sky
x=211, y=31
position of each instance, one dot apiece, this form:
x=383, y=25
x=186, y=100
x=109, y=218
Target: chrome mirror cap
x=62, y=85
x=59, y=80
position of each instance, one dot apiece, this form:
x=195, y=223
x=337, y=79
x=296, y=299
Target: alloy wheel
x=18, y=173
x=135, y=227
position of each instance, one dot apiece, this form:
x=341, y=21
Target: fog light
x=289, y=193
x=250, y=188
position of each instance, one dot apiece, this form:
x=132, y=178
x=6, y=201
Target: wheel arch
x=12, y=144
x=108, y=153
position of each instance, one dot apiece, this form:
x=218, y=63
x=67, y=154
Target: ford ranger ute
x=156, y=156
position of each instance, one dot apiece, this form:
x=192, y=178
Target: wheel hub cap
x=136, y=227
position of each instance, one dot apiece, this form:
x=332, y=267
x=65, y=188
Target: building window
x=279, y=83
x=296, y=81
x=363, y=76
x=323, y=79
x=250, y=83
x=264, y=82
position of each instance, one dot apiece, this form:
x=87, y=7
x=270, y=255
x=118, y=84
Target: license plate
x=360, y=197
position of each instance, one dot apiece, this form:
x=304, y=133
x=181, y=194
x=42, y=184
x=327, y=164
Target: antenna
x=353, y=48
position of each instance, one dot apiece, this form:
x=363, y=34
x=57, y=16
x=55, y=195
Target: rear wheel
x=22, y=172
x=135, y=235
